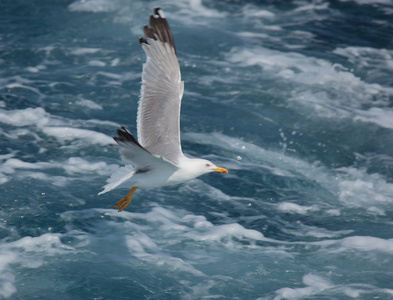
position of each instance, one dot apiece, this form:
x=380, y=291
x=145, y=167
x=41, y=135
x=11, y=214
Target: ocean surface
x=294, y=98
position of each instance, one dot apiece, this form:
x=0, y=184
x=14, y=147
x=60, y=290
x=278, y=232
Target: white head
x=202, y=166
x=191, y=168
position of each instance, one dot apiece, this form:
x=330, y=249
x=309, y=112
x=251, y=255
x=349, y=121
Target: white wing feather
x=158, y=120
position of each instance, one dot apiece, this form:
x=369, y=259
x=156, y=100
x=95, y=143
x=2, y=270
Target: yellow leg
x=122, y=204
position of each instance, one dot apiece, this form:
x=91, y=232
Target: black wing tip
x=159, y=12
x=143, y=41
x=124, y=136
x=150, y=33
x=158, y=30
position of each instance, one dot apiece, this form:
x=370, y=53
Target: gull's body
x=157, y=158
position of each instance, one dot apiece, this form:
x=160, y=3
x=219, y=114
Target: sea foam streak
x=350, y=92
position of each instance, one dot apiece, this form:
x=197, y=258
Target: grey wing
x=141, y=159
x=133, y=152
x=158, y=120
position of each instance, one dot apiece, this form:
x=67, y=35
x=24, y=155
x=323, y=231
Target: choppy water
x=294, y=98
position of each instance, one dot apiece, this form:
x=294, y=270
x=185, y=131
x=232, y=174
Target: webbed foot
x=123, y=203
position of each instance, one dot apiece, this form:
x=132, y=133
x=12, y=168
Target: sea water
x=294, y=98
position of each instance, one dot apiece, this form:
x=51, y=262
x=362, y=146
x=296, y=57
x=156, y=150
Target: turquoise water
x=294, y=98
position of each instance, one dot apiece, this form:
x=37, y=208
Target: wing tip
x=159, y=12
x=124, y=136
x=159, y=29
x=143, y=41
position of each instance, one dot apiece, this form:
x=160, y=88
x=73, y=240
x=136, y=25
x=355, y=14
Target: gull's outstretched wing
x=134, y=152
x=141, y=160
x=158, y=120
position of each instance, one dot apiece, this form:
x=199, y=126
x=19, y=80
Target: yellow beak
x=221, y=170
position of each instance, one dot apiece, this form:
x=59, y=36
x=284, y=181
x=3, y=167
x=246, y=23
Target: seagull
x=156, y=158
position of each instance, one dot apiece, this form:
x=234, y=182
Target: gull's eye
x=207, y=165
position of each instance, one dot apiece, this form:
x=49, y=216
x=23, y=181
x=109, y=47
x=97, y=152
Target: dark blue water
x=294, y=98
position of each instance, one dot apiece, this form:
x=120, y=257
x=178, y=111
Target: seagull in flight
x=156, y=158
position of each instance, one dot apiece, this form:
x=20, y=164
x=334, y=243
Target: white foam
x=3, y=178
x=314, y=285
x=253, y=35
x=64, y=134
x=369, y=2
x=20, y=85
x=226, y=234
x=333, y=212
x=373, y=245
x=252, y=11
x=28, y=252
x=94, y=6
x=4, y=171
x=367, y=56
x=192, y=12
x=196, y=7
x=187, y=10
x=376, y=211
x=10, y=165
x=115, y=62
x=380, y=116
x=311, y=7
x=7, y=287
x=198, y=186
x=294, y=66
x=168, y=220
x=289, y=207
x=366, y=243
x=73, y=166
x=197, y=221
x=354, y=187
x=261, y=157
x=7, y=156
x=199, y=229
x=24, y=117
x=102, y=122
x=48, y=243
x=36, y=69
x=120, y=77
x=84, y=51
x=151, y=237
x=186, y=226
x=61, y=181
x=89, y=104
x=303, y=230
x=111, y=75
x=330, y=79
x=96, y=63
x=39, y=120
x=358, y=188
x=144, y=235
x=140, y=244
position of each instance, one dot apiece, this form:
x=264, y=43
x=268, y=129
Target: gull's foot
x=123, y=203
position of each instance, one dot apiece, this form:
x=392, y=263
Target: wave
x=329, y=89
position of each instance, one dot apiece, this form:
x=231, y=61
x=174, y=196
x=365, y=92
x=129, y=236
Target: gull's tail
x=119, y=178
